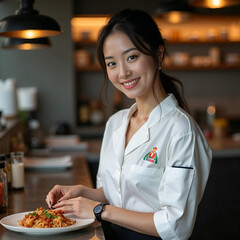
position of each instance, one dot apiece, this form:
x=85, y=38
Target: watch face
x=98, y=209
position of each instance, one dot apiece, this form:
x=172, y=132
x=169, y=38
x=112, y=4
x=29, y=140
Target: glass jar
x=220, y=128
x=3, y=189
x=17, y=170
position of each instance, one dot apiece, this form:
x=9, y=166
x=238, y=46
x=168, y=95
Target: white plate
x=10, y=222
x=47, y=163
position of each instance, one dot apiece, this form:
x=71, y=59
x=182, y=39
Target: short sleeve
x=182, y=186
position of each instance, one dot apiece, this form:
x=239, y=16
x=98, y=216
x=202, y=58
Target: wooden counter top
x=37, y=185
x=225, y=147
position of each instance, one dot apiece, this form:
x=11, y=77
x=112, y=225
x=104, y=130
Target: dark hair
x=143, y=31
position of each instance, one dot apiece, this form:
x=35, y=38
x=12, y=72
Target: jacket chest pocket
x=144, y=181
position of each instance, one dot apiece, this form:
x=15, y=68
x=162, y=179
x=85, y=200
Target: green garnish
x=33, y=214
x=47, y=214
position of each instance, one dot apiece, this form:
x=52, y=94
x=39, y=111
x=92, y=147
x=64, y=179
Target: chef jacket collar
x=158, y=112
x=142, y=135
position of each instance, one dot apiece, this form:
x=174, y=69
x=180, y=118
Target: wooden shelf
x=211, y=67
x=90, y=68
x=85, y=43
x=97, y=68
x=202, y=42
x=92, y=42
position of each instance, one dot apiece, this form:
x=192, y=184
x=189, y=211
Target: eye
x=111, y=64
x=132, y=57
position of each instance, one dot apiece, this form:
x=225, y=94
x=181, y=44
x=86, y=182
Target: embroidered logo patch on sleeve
x=151, y=156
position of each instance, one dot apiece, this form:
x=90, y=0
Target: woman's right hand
x=61, y=192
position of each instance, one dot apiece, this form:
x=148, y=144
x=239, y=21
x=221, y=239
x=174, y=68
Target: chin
x=130, y=96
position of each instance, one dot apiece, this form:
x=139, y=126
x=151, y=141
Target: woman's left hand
x=79, y=206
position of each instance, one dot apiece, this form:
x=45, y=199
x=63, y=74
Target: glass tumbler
x=17, y=170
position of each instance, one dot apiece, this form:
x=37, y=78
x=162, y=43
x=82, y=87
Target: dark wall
x=50, y=70
x=110, y=7
x=219, y=211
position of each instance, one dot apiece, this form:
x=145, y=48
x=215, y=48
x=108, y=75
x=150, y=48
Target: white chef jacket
x=163, y=169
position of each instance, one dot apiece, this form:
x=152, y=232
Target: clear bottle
x=17, y=170
x=3, y=189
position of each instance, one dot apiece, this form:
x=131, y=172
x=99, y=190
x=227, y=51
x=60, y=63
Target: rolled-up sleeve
x=182, y=186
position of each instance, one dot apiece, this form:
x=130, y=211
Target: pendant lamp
x=213, y=3
x=26, y=44
x=174, y=11
x=28, y=23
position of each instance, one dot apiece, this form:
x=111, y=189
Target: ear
x=160, y=54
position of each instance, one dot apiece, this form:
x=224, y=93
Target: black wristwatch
x=98, y=211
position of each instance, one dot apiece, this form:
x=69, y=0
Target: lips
x=131, y=83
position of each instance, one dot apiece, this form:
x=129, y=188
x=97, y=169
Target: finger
x=62, y=204
x=55, y=194
x=65, y=209
x=64, y=197
x=48, y=201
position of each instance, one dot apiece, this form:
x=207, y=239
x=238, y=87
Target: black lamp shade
x=26, y=44
x=28, y=23
x=174, y=11
x=29, y=26
x=173, y=5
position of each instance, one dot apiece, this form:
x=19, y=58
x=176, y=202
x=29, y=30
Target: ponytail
x=174, y=86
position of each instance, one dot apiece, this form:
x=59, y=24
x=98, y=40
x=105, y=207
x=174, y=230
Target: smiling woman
x=154, y=160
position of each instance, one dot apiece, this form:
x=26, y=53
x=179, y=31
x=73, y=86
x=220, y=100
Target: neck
x=146, y=104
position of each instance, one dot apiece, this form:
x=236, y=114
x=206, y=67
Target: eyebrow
x=124, y=52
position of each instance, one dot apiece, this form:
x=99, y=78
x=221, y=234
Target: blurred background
x=55, y=90
x=203, y=52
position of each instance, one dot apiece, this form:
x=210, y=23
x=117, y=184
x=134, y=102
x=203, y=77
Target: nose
x=124, y=71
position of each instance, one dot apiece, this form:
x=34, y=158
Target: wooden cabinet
x=89, y=76
x=224, y=63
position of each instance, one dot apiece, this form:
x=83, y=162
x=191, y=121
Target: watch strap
x=99, y=213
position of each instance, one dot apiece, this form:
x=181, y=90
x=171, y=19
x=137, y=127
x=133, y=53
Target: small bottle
x=83, y=111
x=3, y=159
x=9, y=170
x=3, y=189
x=2, y=122
x=17, y=170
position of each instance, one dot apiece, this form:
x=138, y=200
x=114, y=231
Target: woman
x=154, y=161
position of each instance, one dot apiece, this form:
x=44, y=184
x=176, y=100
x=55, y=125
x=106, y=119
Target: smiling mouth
x=131, y=83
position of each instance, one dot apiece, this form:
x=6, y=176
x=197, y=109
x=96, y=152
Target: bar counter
x=37, y=185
